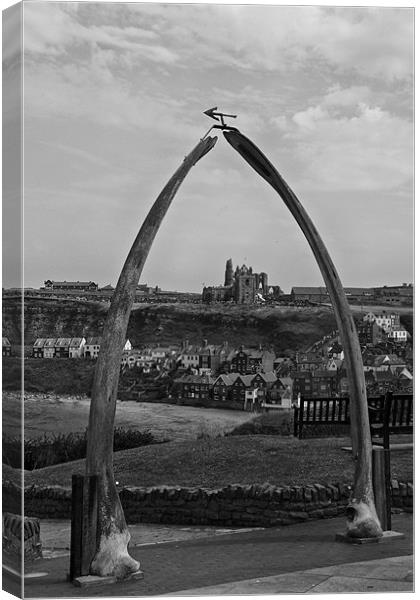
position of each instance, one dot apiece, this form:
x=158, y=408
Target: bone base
x=95, y=580
x=113, y=559
x=387, y=536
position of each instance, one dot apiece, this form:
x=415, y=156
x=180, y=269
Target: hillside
x=284, y=328
x=51, y=318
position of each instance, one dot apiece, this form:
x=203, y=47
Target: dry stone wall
x=234, y=505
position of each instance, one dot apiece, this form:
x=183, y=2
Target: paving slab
x=395, y=567
x=342, y=585
x=290, y=583
x=384, y=575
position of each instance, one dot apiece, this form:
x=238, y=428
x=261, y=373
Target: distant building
x=85, y=286
x=320, y=295
x=76, y=347
x=250, y=361
x=370, y=333
x=242, y=286
x=388, y=323
x=315, y=384
x=383, y=362
x=6, y=347
x=309, y=361
x=92, y=347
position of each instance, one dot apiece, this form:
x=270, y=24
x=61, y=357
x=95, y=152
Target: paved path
x=384, y=575
x=282, y=554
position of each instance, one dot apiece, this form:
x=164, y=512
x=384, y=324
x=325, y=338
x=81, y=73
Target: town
x=244, y=378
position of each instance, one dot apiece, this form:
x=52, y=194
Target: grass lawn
x=227, y=460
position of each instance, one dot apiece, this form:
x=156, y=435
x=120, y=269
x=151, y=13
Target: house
x=222, y=387
x=336, y=351
x=315, y=384
x=309, y=294
x=398, y=334
x=241, y=384
x=280, y=393
x=62, y=347
x=261, y=361
x=309, y=361
x=211, y=357
x=302, y=384
x=93, y=344
x=194, y=388
x=6, y=347
x=324, y=384
x=383, y=362
x=49, y=348
x=85, y=286
x=91, y=347
x=264, y=380
x=370, y=333
x=384, y=320
x=334, y=364
x=76, y=347
x=238, y=360
x=38, y=348
x=189, y=357
x=248, y=361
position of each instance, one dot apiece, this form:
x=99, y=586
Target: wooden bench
x=326, y=417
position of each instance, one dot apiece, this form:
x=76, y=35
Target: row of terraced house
x=75, y=347
x=235, y=391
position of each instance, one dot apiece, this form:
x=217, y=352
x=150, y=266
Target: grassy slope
x=49, y=374
x=228, y=460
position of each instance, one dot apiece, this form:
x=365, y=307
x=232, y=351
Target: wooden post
x=84, y=518
x=301, y=413
x=381, y=486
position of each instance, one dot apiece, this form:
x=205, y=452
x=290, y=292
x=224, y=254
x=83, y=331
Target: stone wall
x=235, y=505
x=12, y=536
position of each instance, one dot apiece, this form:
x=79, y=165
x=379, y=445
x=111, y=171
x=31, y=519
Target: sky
x=114, y=96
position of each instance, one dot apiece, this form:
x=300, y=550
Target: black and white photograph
x=207, y=299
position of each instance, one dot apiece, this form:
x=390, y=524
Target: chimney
x=204, y=342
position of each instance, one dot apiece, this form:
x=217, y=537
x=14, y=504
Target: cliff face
x=51, y=318
x=282, y=328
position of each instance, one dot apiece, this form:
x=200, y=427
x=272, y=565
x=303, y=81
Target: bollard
x=381, y=485
x=84, y=520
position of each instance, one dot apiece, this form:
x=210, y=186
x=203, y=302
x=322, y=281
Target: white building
x=189, y=357
x=398, y=334
x=93, y=345
x=91, y=348
x=384, y=320
x=76, y=347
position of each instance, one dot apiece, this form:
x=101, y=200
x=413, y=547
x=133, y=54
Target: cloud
x=374, y=42
x=345, y=144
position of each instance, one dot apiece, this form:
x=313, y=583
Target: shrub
x=60, y=448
